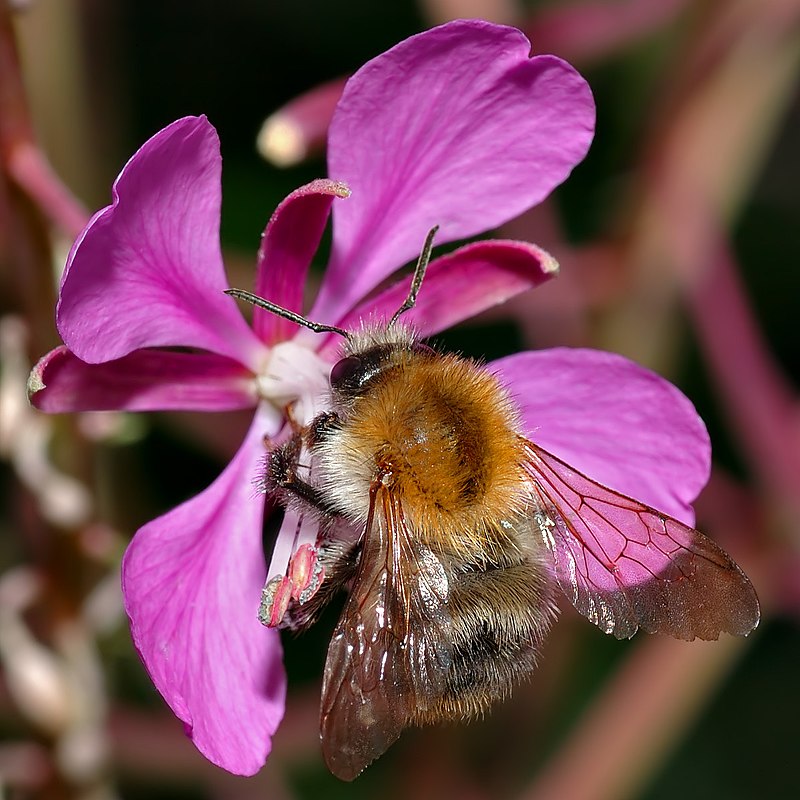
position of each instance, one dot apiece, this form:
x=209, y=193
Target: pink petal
x=456, y=126
x=147, y=270
x=145, y=380
x=460, y=285
x=290, y=241
x=614, y=421
x=192, y=582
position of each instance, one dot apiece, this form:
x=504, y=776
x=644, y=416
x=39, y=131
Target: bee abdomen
x=500, y=617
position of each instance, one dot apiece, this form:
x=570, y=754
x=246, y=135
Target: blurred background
x=679, y=240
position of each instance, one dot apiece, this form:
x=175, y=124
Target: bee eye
x=345, y=370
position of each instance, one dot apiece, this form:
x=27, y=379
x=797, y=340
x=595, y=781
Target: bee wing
x=391, y=650
x=625, y=565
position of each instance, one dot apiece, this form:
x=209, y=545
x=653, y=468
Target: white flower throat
x=294, y=374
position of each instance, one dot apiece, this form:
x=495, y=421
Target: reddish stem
x=758, y=399
x=20, y=156
x=32, y=172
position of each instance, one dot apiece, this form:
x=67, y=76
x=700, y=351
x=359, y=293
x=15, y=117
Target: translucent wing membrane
x=390, y=652
x=624, y=565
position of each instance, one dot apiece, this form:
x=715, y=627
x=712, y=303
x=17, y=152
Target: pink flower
x=458, y=127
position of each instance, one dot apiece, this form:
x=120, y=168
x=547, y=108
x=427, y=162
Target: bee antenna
x=419, y=274
x=255, y=300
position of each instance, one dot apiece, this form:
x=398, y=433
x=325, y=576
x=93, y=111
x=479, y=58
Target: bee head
x=369, y=355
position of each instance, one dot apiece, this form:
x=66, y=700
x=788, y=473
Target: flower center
x=293, y=373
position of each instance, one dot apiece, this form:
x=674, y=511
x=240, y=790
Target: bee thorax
x=442, y=433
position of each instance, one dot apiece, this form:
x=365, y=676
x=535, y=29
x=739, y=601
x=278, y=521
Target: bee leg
x=321, y=427
x=281, y=476
x=282, y=467
x=313, y=433
x=307, y=494
x=294, y=423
